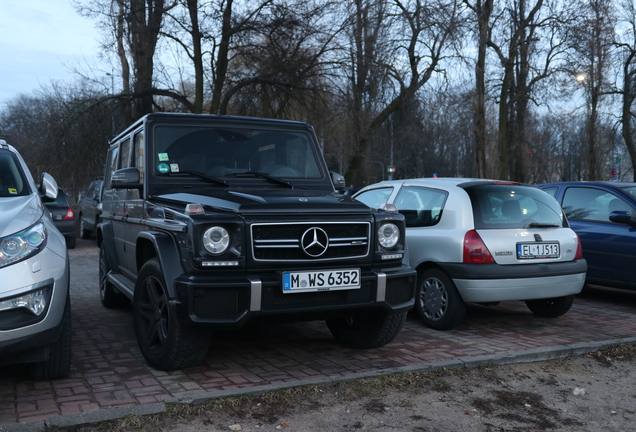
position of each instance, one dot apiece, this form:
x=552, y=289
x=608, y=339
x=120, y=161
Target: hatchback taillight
x=69, y=214
x=475, y=251
x=579, y=249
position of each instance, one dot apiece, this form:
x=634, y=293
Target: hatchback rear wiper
x=262, y=175
x=542, y=225
x=203, y=176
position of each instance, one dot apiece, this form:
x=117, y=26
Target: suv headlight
x=22, y=245
x=388, y=235
x=216, y=240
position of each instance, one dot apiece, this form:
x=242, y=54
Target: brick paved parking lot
x=109, y=376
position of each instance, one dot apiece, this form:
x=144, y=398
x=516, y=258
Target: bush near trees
x=526, y=90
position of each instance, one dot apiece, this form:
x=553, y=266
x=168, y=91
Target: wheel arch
x=151, y=244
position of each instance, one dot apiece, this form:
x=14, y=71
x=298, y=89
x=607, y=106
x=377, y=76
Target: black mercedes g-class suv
x=212, y=221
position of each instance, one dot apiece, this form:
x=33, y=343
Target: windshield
x=512, y=206
x=219, y=152
x=12, y=180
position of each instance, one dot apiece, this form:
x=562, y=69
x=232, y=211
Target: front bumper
x=46, y=269
x=493, y=283
x=234, y=300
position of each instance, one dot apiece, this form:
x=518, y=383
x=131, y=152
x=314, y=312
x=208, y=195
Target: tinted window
x=510, y=206
x=12, y=180
x=138, y=159
x=218, y=152
x=61, y=200
x=583, y=203
x=420, y=206
x=375, y=197
x=551, y=190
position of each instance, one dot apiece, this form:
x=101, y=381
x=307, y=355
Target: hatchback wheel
x=164, y=342
x=551, y=307
x=438, y=302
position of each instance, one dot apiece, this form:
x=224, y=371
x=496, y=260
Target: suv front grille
x=283, y=241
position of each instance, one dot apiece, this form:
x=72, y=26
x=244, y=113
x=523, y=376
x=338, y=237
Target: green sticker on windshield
x=163, y=168
x=163, y=157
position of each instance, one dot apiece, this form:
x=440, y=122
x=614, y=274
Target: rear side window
x=12, y=180
x=420, y=206
x=584, y=203
x=374, y=198
x=514, y=206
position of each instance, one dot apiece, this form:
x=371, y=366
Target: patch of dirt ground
x=596, y=392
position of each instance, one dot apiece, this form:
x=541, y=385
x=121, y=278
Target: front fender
x=166, y=250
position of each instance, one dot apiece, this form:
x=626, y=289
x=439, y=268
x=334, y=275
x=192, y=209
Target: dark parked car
x=603, y=214
x=63, y=217
x=90, y=208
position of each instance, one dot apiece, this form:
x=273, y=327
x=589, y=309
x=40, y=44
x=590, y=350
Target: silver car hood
x=19, y=213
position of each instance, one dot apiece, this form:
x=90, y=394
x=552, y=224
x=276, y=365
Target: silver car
x=483, y=241
x=35, y=311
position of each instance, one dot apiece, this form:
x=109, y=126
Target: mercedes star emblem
x=315, y=242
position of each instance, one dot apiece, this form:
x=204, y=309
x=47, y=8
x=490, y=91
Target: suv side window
x=421, y=206
x=125, y=153
x=582, y=203
x=138, y=155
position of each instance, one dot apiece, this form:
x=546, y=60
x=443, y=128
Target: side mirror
x=48, y=187
x=622, y=217
x=126, y=178
x=338, y=181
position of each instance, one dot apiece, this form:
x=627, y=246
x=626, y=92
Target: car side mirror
x=622, y=217
x=126, y=178
x=48, y=187
x=338, y=182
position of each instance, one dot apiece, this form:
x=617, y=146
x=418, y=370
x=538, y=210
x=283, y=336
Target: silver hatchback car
x=483, y=241
x=35, y=311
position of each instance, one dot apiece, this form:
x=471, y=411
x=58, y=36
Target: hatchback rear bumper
x=494, y=283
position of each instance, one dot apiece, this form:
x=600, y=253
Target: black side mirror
x=622, y=217
x=338, y=181
x=126, y=178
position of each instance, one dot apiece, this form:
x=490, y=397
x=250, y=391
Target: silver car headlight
x=216, y=240
x=22, y=245
x=388, y=235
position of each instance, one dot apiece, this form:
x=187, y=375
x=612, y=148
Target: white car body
x=440, y=243
x=34, y=270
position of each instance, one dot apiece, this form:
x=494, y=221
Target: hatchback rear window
x=514, y=206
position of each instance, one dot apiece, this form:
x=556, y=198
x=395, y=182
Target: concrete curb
x=511, y=357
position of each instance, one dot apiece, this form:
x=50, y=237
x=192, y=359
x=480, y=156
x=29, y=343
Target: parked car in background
x=90, y=208
x=35, y=308
x=483, y=241
x=603, y=214
x=63, y=217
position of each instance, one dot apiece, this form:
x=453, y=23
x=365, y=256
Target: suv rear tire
x=370, y=330
x=437, y=300
x=551, y=307
x=164, y=342
x=83, y=232
x=108, y=294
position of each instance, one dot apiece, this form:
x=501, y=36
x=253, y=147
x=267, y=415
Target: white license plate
x=325, y=280
x=538, y=250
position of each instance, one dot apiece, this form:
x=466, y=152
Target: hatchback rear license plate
x=538, y=250
x=325, y=280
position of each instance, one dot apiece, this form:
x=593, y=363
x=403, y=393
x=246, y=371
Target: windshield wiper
x=542, y=225
x=211, y=179
x=262, y=175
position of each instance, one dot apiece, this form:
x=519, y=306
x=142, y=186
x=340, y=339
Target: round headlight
x=388, y=235
x=216, y=240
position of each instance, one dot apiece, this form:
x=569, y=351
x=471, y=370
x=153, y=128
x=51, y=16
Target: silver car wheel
x=434, y=299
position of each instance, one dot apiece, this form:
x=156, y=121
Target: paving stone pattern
x=108, y=370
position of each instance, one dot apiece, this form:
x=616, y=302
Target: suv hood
x=274, y=200
x=19, y=213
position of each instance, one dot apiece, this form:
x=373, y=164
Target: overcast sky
x=40, y=41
